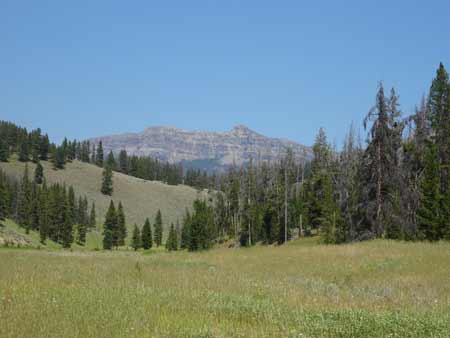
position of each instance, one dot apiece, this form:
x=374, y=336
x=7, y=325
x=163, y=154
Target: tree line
x=35, y=146
x=396, y=186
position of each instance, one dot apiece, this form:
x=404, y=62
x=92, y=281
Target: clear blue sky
x=284, y=68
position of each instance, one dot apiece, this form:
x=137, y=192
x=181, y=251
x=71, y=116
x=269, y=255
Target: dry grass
x=374, y=289
x=140, y=198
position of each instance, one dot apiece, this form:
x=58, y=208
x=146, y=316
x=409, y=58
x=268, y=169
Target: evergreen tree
x=93, y=155
x=123, y=162
x=158, y=226
x=107, y=240
x=379, y=168
x=99, y=155
x=81, y=234
x=147, y=240
x=121, y=226
x=200, y=236
x=67, y=225
x=329, y=216
x=44, y=146
x=172, y=239
x=43, y=217
x=23, y=201
x=429, y=213
x=107, y=182
x=110, y=161
x=136, y=239
x=58, y=158
x=3, y=199
x=185, y=231
x=24, y=149
x=110, y=227
x=4, y=151
x=92, y=217
x=38, y=173
x=72, y=207
x=439, y=113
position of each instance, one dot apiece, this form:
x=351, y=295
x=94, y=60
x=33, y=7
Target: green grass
x=140, y=198
x=373, y=289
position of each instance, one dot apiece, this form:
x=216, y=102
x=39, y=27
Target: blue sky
x=284, y=68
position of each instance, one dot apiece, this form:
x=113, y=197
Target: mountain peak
x=237, y=145
x=241, y=129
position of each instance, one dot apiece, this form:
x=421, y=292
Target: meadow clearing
x=303, y=289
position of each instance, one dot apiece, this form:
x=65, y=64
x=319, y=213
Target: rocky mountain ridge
x=224, y=148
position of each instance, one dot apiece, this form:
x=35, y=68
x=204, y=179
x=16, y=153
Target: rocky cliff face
x=176, y=145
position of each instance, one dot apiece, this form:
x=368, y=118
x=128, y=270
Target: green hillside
x=139, y=197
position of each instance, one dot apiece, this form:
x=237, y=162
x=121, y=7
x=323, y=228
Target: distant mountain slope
x=175, y=145
x=140, y=198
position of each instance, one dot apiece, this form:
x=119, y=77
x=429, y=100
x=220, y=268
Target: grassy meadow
x=303, y=289
x=140, y=198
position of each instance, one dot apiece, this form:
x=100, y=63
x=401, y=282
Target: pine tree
x=58, y=158
x=158, y=226
x=23, y=201
x=147, y=240
x=185, y=231
x=429, y=213
x=136, y=239
x=44, y=146
x=92, y=217
x=72, y=207
x=107, y=240
x=34, y=207
x=378, y=173
x=107, y=182
x=172, y=239
x=81, y=234
x=200, y=236
x=110, y=161
x=43, y=217
x=123, y=162
x=93, y=155
x=99, y=156
x=439, y=113
x=121, y=226
x=3, y=200
x=38, y=173
x=24, y=155
x=4, y=150
x=110, y=227
x=329, y=217
x=67, y=224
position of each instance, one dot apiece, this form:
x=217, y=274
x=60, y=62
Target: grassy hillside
x=140, y=198
x=372, y=289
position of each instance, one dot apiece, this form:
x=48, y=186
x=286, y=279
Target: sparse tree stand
x=158, y=228
x=136, y=239
x=107, y=181
x=147, y=240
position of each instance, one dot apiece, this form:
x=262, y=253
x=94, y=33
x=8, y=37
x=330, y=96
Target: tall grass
x=373, y=289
